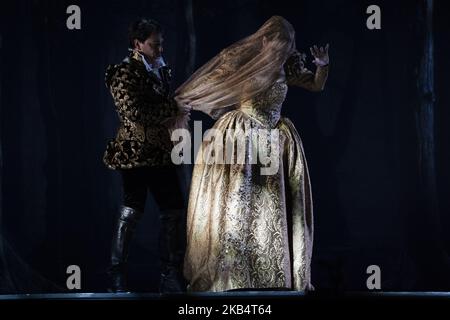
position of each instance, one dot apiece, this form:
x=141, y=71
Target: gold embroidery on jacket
x=143, y=103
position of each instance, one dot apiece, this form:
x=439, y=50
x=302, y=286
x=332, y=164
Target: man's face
x=152, y=47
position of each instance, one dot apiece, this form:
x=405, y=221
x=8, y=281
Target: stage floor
x=227, y=295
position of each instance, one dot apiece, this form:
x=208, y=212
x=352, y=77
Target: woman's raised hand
x=320, y=55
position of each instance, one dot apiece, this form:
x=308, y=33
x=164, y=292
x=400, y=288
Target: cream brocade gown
x=244, y=229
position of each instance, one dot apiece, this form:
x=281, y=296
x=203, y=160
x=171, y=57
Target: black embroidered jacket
x=143, y=103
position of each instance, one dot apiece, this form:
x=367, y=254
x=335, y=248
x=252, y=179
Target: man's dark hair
x=142, y=29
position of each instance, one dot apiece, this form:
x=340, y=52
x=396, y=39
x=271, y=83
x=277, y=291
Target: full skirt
x=246, y=230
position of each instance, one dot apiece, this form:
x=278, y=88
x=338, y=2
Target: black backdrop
x=58, y=201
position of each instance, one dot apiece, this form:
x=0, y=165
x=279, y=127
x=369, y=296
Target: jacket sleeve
x=298, y=75
x=126, y=91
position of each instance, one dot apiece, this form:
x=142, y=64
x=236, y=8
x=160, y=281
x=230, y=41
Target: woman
x=245, y=229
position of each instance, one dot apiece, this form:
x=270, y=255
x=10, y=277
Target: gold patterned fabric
x=143, y=104
x=246, y=230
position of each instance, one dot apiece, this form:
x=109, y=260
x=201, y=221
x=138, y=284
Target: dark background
x=378, y=198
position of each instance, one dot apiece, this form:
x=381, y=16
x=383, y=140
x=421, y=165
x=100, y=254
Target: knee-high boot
x=123, y=234
x=172, y=247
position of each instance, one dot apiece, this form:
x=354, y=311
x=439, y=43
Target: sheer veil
x=240, y=71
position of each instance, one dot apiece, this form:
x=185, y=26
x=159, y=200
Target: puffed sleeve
x=298, y=75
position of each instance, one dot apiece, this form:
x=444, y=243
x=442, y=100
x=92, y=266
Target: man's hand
x=184, y=106
x=320, y=55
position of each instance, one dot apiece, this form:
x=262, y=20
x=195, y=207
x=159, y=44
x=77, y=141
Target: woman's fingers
x=319, y=52
x=316, y=50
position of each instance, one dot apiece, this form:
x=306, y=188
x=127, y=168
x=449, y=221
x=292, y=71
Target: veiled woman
x=246, y=228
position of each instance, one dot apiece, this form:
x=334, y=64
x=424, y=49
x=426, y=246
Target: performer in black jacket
x=141, y=153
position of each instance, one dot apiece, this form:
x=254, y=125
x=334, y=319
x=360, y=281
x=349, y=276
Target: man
x=141, y=153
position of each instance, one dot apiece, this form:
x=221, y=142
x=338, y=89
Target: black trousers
x=162, y=182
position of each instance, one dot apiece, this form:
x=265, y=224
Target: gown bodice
x=266, y=106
